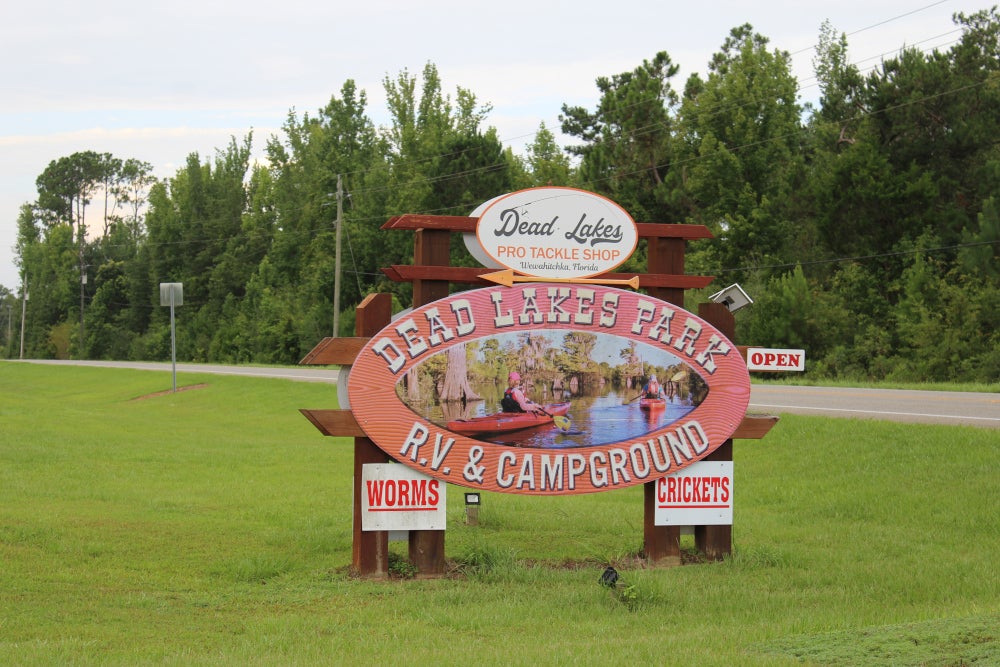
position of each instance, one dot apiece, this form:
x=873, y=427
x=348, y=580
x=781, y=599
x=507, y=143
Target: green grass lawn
x=213, y=526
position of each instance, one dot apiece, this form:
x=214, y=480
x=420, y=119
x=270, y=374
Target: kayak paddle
x=563, y=423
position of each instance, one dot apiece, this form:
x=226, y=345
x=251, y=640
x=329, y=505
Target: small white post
x=173, y=343
x=172, y=294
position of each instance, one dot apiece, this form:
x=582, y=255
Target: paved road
x=931, y=407
x=928, y=407
x=302, y=374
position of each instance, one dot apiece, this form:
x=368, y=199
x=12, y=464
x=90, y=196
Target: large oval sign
x=557, y=232
x=577, y=347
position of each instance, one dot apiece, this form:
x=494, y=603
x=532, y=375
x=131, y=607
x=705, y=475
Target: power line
x=860, y=30
x=509, y=140
x=638, y=132
x=718, y=110
x=880, y=23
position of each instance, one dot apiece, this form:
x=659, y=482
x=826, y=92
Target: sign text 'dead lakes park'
x=606, y=441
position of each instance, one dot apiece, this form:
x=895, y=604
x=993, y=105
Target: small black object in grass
x=610, y=577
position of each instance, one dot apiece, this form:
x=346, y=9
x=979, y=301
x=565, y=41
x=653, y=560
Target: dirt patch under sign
x=170, y=391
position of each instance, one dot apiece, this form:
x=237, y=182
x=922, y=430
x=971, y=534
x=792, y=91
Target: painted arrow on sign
x=507, y=278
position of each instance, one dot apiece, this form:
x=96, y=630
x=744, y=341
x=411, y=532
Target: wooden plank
x=471, y=275
x=755, y=427
x=662, y=230
x=373, y=313
x=339, y=423
x=461, y=223
x=392, y=274
x=339, y=351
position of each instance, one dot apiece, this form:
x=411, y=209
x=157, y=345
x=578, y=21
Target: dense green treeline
x=866, y=226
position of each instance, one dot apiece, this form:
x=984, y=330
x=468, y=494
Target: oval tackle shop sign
x=555, y=232
x=595, y=433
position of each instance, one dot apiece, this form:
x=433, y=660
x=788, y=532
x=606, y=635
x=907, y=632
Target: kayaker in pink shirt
x=514, y=399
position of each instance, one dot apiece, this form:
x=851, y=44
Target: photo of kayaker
x=518, y=413
x=552, y=388
x=514, y=399
x=653, y=389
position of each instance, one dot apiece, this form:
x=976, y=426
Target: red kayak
x=652, y=403
x=504, y=422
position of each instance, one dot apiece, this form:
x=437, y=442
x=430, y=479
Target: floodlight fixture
x=733, y=298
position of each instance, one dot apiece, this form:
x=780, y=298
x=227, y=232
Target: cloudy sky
x=157, y=81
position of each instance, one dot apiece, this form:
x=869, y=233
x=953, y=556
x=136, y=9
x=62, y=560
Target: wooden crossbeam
x=473, y=275
x=339, y=351
x=461, y=223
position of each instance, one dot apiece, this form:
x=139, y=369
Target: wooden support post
x=716, y=542
x=370, y=549
x=662, y=544
x=666, y=256
x=431, y=247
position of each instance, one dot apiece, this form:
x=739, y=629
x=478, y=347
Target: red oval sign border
x=468, y=316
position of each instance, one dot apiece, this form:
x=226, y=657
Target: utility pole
x=24, y=307
x=83, y=278
x=10, y=321
x=336, y=262
x=83, y=284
